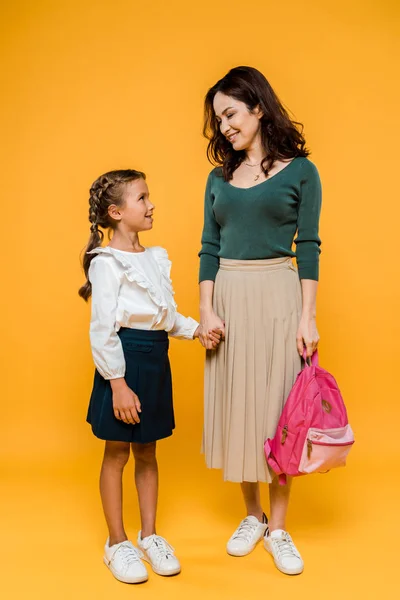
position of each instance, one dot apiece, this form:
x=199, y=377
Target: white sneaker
x=124, y=562
x=246, y=536
x=159, y=554
x=286, y=556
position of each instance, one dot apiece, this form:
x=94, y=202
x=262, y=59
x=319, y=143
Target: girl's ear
x=114, y=212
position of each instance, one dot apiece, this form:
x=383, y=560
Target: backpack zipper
x=310, y=444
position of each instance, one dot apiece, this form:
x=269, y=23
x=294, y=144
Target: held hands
x=125, y=402
x=307, y=335
x=211, y=330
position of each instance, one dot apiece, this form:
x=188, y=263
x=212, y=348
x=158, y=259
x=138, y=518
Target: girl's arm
x=107, y=349
x=185, y=328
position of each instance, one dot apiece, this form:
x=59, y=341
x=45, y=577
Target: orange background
x=92, y=86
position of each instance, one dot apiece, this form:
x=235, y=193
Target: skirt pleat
x=249, y=376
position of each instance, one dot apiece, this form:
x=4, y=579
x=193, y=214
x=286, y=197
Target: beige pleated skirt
x=249, y=377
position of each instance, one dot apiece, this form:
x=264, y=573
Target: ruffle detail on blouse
x=161, y=256
x=163, y=301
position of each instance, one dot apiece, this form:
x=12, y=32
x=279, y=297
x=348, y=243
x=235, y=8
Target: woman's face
x=136, y=212
x=240, y=127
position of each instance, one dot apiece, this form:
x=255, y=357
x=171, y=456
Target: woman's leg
x=279, y=543
x=116, y=455
x=146, y=479
x=251, y=495
x=279, y=502
x=251, y=529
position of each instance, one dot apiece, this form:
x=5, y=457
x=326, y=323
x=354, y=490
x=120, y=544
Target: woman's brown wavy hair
x=282, y=138
x=108, y=189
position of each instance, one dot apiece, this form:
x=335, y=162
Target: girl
x=263, y=191
x=133, y=311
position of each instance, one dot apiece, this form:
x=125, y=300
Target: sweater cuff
x=309, y=271
x=209, y=266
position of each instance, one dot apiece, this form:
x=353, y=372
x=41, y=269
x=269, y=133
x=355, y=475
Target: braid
x=98, y=202
x=105, y=191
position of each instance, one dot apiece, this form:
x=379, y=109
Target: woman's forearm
x=211, y=325
x=206, y=296
x=307, y=334
x=309, y=289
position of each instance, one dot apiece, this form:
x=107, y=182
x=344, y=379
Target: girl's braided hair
x=105, y=191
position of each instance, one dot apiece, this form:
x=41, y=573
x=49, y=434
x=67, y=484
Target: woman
x=262, y=192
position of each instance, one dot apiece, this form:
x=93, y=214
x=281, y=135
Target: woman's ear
x=258, y=111
x=114, y=212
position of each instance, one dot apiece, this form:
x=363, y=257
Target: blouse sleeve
x=184, y=327
x=106, y=346
x=210, y=239
x=308, y=241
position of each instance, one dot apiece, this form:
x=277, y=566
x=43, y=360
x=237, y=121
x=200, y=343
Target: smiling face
x=136, y=212
x=240, y=126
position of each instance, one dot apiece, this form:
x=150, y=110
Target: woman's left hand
x=307, y=335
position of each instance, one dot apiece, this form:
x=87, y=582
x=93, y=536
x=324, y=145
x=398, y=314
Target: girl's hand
x=125, y=402
x=214, y=336
x=307, y=335
x=212, y=330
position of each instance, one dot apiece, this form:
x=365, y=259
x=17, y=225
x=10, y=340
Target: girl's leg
x=146, y=479
x=251, y=495
x=279, y=501
x=116, y=455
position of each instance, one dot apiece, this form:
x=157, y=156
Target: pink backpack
x=313, y=434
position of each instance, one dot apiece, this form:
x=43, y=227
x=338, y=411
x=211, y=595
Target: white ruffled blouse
x=131, y=290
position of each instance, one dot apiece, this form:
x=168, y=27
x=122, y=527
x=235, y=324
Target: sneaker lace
x=127, y=554
x=285, y=546
x=160, y=547
x=245, y=531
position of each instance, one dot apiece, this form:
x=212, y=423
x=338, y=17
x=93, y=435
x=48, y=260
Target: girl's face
x=240, y=127
x=136, y=213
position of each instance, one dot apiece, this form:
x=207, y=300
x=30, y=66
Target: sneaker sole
x=160, y=571
x=282, y=569
x=125, y=579
x=240, y=552
x=243, y=552
x=165, y=573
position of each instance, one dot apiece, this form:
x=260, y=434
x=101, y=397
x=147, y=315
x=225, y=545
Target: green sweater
x=261, y=221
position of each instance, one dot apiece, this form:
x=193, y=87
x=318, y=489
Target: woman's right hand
x=126, y=404
x=212, y=328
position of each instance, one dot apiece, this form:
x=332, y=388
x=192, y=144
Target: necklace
x=256, y=177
